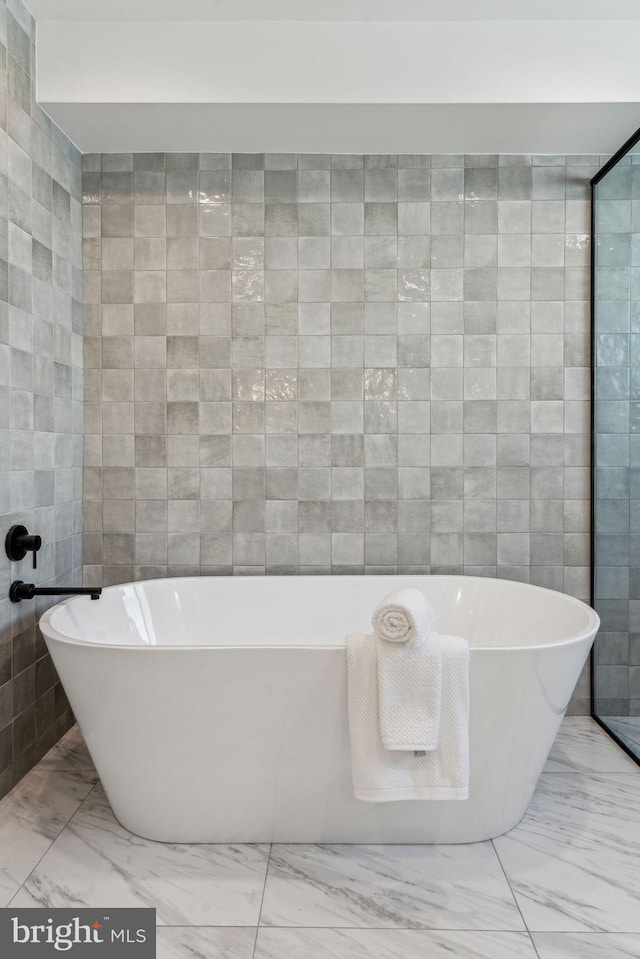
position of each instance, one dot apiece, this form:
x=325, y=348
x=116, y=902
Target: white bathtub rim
x=50, y=632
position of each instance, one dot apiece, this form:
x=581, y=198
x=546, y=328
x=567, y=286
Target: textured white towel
x=404, y=616
x=409, y=671
x=380, y=775
x=409, y=693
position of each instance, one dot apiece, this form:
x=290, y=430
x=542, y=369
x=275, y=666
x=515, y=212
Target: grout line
x=588, y=772
x=54, y=840
x=430, y=930
x=515, y=899
x=435, y=930
x=266, y=876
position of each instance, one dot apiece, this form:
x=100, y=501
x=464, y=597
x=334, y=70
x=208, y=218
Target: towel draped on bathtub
x=383, y=775
x=409, y=658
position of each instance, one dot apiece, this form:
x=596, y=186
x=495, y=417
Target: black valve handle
x=19, y=542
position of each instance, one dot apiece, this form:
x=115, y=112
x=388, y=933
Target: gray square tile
x=395, y=326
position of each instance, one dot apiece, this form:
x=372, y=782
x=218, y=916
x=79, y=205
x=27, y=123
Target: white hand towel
x=409, y=671
x=380, y=775
x=409, y=693
x=404, y=616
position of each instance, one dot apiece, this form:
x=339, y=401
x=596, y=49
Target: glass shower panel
x=616, y=444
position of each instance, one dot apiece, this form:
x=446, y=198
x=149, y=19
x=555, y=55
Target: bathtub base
x=252, y=745
x=421, y=823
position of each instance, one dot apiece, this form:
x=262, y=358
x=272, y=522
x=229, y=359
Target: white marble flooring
x=564, y=884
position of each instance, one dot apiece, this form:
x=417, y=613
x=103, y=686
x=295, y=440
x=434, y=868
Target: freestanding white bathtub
x=215, y=708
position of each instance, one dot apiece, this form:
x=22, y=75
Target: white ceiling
x=350, y=62
x=389, y=10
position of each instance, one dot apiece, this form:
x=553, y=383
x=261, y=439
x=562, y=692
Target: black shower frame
x=602, y=172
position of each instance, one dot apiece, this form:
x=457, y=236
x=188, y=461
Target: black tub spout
x=19, y=591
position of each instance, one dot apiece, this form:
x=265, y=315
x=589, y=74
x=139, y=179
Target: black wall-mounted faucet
x=19, y=591
x=17, y=544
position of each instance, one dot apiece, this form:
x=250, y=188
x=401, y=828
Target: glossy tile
x=421, y=887
x=558, y=945
x=390, y=944
x=572, y=864
x=96, y=860
x=32, y=816
x=295, y=260
x=573, y=860
x=41, y=358
x=582, y=745
x=69, y=753
x=201, y=942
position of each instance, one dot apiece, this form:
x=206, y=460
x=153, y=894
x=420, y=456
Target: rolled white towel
x=409, y=671
x=404, y=616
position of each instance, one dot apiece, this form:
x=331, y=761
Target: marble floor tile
x=597, y=945
x=390, y=944
x=96, y=861
x=202, y=942
x=573, y=860
x=581, y=745
x=31, y=817
x=421, y=887
x=69, y=753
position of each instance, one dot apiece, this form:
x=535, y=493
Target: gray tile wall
x=40, y=388
x=337, y=364
x=617, y=422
